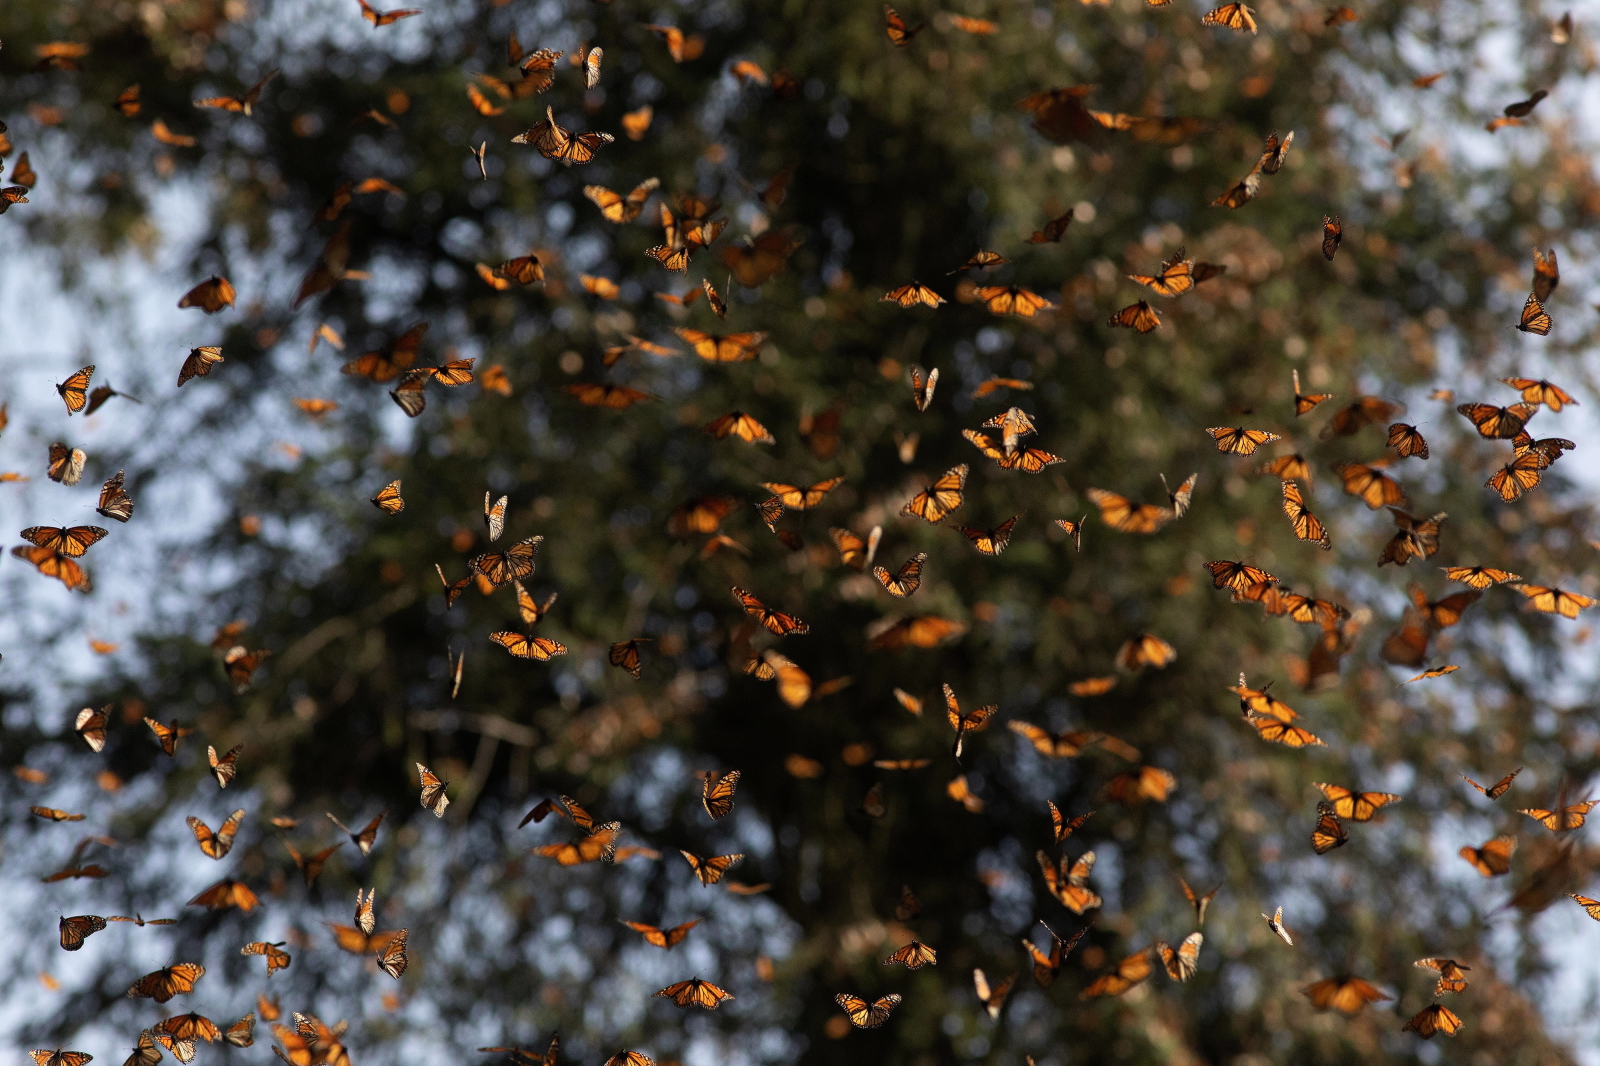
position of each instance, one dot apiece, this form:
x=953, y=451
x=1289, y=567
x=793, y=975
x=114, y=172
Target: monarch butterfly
x=383, y=18
x=1175, y=277
x=1140, y=316
x=167, y=736
x=1522, y=474
x=523, y=270
x=66, y=464
x=1415, y=538
x=1328, y=834
x=981, y=260
x=388, y=499
x=911, y=295
x=1305, y=524
x=663, y=938
x=1126, y=974
x=636, y=123
x=1352, y=805
x=241, y=666
x=216, y=845
x=906, y=580
x=516, y=562
x=198, y=363
x=145, y=1052
x=1436, y=672
x=1499, y=788
x=973, y=721
x=626, y=655
x=1014, y=423
x=914, y=956
x=1261, y=701
x=1226, y=574
x=238, y=104
x=992, y=999
x=74, y=391
x=58, y=1057
x=73, y=541
x=922, y=387
x=386, y=364
x=1238, y=18
x=276, y=959
x=1435, y=1018
x=996, y=384
x=738, y=424
x=1136, y=786
x=1068, y=883
x=1145, y=650
x=1235, y=441
x=211, y=295
x=1276, y=730
x=242, y=1033
x=1072, y=529
x=936, y=501
x=365, y=919
x=728, y=348
x=1360, y=412
x=433, y=796
x=920, y=631
x=695, y=993
x=899, y=33
x=522, y=646
x=1047, y=966
x=1539, y=391
x=1498, y=423
x=599, y=845
x=494, y=379
x=796, y=498
x=555, y=142
x=901, y=764
x=538, y=69
x=776, y=622
x=1562, y=819
x=393, y=959
x=853, y=551
x=909, y=906
x=167, y=982
x=1590, y=906
x=1013, y=300
x=1198, y=903
x=310, y=866
x=1332, y=235
x=1067, y=745
x=359, y=941
x=1028, y=460
x=709, y=870
x=75, y=930
x=364, y=839
x=1452, y=974
x=990, y=541
x=864, y=1015
x=91, y=726
x=1182, y=963
x=1534, y=318
x=630, y=1058
x=717, y=793
x=1554, y=600
x=1367, y=481
x=1275, y=923
x=54, y=815
x=1446, y=612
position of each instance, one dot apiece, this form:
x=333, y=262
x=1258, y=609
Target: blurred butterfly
x=1067, y=745
x=1276, y=730
x=936, y=501
x=1053, y=230
x=1182, y=963
x=1436, y=672
x=54, y=815
x=662, y=938
x=1332, y=235
x=1068, y=882
x=127, y=102
x=238, y=104
x=853, y=551
x=225, y=894
x=1539, y=391
x=1136, y=786
x=1047, y=965
x=1498, y=423
x=1367, y=481
x=1304, y=403
x=433, y=796
x=695, y=993
x=1012, y=300
x=981, y=260
x=1073, y=529
x=1028, y=460
x=679, y=47
x=1328, y=834
x=1275, y=923
x=922, y=387
x=1126, y=974
x=973, y=721
x=66, y=464
x=1360, y=412
x=614, y=397
x=906, y=580
x=242, y=1033
x=992, y=999
x=1144, y=650
x=167, y=982
x=1175, y=278
x=276, y=959
x=900, y=35
x=383, y=18
x=738, y=424
x=864, y=1015
x=211, y=295
x=913, y=956
x=1554, y=600
x=364, y=839
x=1199, y=903
x=1534, y=318
x=310, y=866
x=1562, y=819
x=725, y=348
x=990, y=541
x=167, y=736
x=1139, y=316
x=1433, y=1019
x=1452, y=975
x=1355, y=806
x=1235, y=441
x=241, y=665
x=1407, y=441
x=776, y=622
x=523, y=270
x=709, y=870
x=1235, y=17
x=911, y=295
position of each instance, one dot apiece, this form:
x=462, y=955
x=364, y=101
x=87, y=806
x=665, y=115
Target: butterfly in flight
x=74, y=391
x=1127, y=973
x=1499, y=788
x=941, y=497
x=1434, y=1019
x=384, y=18
x=1348, y=995
x=900, y=35
x=662, y=938
x=695, y=993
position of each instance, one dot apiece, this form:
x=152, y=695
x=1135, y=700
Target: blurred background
x=846, y=168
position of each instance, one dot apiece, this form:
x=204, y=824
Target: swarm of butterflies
x=689, y=225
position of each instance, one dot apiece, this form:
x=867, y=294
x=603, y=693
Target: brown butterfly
x=1182, y=963
x=1068, y=882
x=167, y=982
x=73, y=541
x=433, y=796
x=211, y=295
x=383, y=18
x=1539, y=391
x=990, y=541
x=600, y=845
x=74, y=391
x=1236, y=17
x=1067, y=745
x=1332, y=235
x=52, y=814
x=1360, y=412
x=1499, y=788
x=225, y=894
x=515, y=563
x=1144, y=650
x=167, y=736
x=388, y=500
x=911, y=295
x=556, y=142
x=523, y=270
x=1434, y=1018
x=1013, y=300
x=1175, y=277
x=310, y=866
x=1053, y=230
x=936, y=501
x=216, y=845
x=364, y=839
x=981, y=260
x=992, y=999
x=1199, y=903
x=75, y=930
x=1125, y=975
x=1452, y=974
x=1276, y=730
x=1498, y=423
x=1493, y=859
x=1140, y=316
x=1367, y=481
x=241, y=665
x=1028, y=460
x=662, y=938
x=1073, y=530
x=1555, y=601
x=1521, y=475
x=1348, y=995
x=385, y=364
x=1236, y=441
x=914, y=956
x=1562, y=819
x=276, y=959
x=738, y=424
x=776, y=622
x=66, y=464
